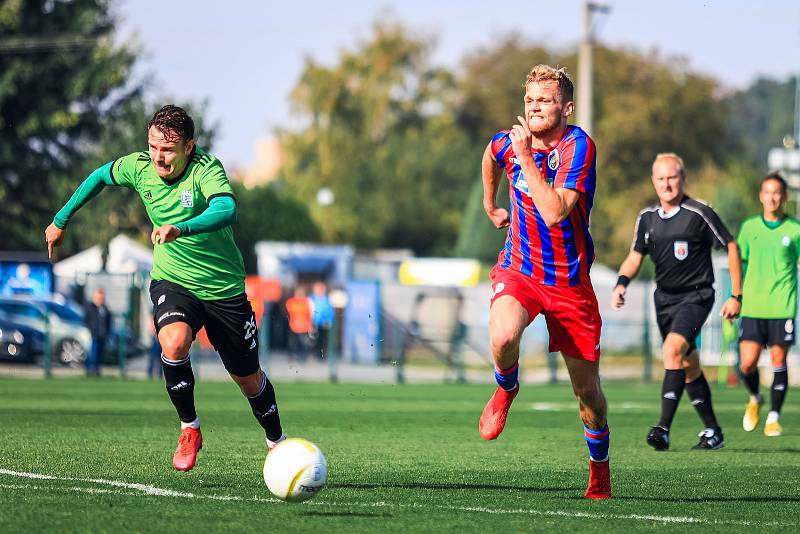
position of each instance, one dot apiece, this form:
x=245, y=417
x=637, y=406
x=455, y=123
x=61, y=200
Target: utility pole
x=585, y=77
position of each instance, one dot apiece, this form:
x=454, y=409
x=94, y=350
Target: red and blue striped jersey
x=559, y=255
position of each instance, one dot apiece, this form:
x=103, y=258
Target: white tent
x=124, y=256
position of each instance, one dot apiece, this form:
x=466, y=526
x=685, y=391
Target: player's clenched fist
x=618, y=297
x=165, y=234
x=53, y=236
x=499, y=217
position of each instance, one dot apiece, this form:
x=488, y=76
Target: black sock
x=179, y=378
x=750, y=381
x=700, y=394
x=671, y=392
x=780, y=383
x=265, y=408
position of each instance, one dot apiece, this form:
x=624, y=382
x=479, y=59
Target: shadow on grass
x=422, y=485
x=345, y=514
x=786, y=450
x=709, y=498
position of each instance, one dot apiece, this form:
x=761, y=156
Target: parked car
x=69, y=338
x=133, y=347
x=20, y=343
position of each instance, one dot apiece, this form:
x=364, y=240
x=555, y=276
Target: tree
x=380, y=134
x=264, y=213
x=61, y=79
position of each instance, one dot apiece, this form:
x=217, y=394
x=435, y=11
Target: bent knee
x=176, y=347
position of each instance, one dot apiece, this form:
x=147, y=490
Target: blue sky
x=244, y=56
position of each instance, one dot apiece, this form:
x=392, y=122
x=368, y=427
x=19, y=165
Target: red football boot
x=599, y=481
x=493, y=418
x=189, y=443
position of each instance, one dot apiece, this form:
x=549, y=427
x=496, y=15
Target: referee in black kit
x=678, y=233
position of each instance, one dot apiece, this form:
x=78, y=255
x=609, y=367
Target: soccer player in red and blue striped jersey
x=544, y=265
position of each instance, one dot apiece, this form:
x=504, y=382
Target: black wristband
x=623, y=280
x=737, y=297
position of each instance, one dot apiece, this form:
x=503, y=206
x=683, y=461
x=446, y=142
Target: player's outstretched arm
x=627, y=271
x=732, y=306
x=491, y=174
x=221, y=212
x=88, y=189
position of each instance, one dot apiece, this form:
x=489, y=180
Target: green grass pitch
x=401, y=459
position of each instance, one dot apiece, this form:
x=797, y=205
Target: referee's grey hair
x=674, y=157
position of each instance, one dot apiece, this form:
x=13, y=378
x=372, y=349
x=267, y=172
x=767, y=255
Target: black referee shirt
x=680, y=242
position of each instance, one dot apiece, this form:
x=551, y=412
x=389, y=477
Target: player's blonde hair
x=542, y=73
x=674, y=157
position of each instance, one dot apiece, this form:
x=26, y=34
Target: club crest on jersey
x=553, y=160
x=681, y=249
x=186, y=199
x=786, y=241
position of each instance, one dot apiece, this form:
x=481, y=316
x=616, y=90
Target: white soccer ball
x=295, y=470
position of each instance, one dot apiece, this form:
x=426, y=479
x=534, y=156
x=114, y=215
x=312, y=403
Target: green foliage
x=61, y=79
x=266, y=214
x=380, y=136
x=760, y=116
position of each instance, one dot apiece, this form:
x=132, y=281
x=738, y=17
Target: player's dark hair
x=174, y=123
x=778, y=178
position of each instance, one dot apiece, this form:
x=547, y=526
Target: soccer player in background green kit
x=770, y=245
x=198, y=273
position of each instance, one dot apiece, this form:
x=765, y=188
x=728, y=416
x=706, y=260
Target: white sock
x=194, y=424
x=271, y=444
x=772, y=417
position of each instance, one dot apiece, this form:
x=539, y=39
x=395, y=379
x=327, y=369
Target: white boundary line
x=145, y=489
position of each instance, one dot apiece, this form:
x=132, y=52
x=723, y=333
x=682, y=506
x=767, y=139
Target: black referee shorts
x=767, y=332
x=230, y=323
x=683, y=313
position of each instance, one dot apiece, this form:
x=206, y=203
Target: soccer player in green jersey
x=770, y=245
x=198, y=273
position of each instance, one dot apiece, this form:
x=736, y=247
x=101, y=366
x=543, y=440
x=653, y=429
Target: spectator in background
x=321, y=317
x=298, y=307
x=98, y=320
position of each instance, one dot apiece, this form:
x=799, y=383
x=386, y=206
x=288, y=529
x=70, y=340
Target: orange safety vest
x=299, y=309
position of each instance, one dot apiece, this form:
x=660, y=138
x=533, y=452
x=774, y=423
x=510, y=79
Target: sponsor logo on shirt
x=522, y=185
x=186, y=199
x=681, y=249
x=553, y=159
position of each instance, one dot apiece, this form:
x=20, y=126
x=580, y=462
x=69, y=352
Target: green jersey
x=209, y=264
x=771, y=252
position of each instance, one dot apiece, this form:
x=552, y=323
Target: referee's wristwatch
x=737, y=297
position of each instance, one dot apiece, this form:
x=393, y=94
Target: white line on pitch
x=145, y=489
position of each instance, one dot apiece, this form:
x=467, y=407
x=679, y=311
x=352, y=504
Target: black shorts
x=683, y=313
x=767, y=332
x=230, y=323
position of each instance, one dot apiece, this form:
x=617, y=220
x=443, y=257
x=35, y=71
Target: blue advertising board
x=362, y=323
x=33, y=279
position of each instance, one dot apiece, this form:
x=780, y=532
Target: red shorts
x=572, y=315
